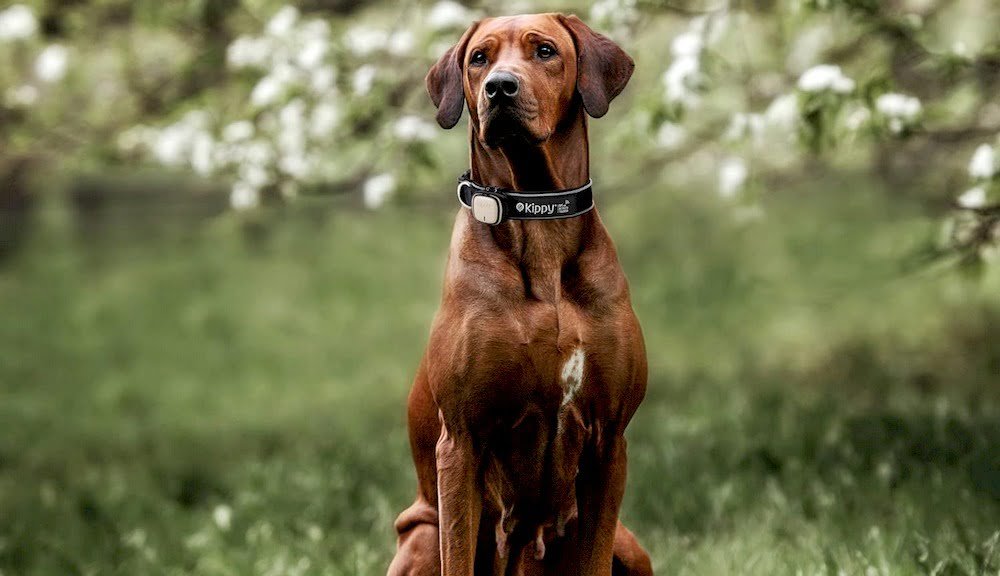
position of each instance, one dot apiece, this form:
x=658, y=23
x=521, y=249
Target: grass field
x=228, y=399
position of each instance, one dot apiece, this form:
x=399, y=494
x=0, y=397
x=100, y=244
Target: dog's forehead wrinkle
x=484, y=42
x=513, y=28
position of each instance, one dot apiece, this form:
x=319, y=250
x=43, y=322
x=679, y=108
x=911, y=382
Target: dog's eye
x=478, y=58
x=545, y=51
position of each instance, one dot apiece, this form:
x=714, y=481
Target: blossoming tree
x=911, y=84
x=281, y=100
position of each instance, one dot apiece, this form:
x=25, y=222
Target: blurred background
x=223, y=226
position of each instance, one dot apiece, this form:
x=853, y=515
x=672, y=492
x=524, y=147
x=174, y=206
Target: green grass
x=811, y=410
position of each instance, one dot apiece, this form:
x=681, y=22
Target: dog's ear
x=603, y=68
x=444, y=82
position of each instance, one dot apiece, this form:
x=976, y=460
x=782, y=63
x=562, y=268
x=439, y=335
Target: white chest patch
x=572, y=375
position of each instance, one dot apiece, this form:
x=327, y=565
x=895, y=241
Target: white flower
x=670, y=135
x=137, y=138
x=253, y=160
x=295, y=164
x=973, y=198
x=238, y=131
x=312, y=53
x=323, y=79
x=21, y=96
x=983, y=164
x=51, y=64
x=286, y=73
x=681, y=80
x=688, y=44
x=254, y=175
x=242, y=197
x=783, y=112
x=602, y=10
x=17, y=23
x=413, y=128
x=257, y=153
x=324, y=119
x=292, y=115
x=401, y=42
x=614, y=14
x=173, y=145
x=377, y=190
x=856, y=117
x=825, y=77
x=743, y=125
x=267, y=91
x=900, y=106
x=222, y=515
x=448, y=14
x=202, y=153
x=292, y=127
x=315, y=28
x=363, y=40
x=733, y=174
x=247, y=52
x=363, y=79
x=901, y=110
x=314, y=532
x=283, y=21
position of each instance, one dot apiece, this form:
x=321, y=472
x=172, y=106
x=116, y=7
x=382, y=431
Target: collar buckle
x=487, y=207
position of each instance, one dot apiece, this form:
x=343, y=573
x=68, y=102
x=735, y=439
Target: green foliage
x=921, y=77
x=229, y=400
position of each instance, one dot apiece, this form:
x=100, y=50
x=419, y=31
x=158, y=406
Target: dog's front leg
x=459, y=501
x=599, y=501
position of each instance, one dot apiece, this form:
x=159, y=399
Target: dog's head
x=519, y=76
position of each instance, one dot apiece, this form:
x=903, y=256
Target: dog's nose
x=501, y=83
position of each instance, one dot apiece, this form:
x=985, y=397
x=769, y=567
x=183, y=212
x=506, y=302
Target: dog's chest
x=553, y=339
x=526, y=336
x=534, y=451
x=539, y=332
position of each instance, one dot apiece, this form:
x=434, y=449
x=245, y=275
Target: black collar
x=493, y=205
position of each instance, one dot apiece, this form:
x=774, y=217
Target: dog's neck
x=540, y=248
x=562, y=161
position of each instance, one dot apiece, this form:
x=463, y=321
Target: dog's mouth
x=503, y=123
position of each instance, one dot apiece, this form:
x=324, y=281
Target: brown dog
x=536, y=362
